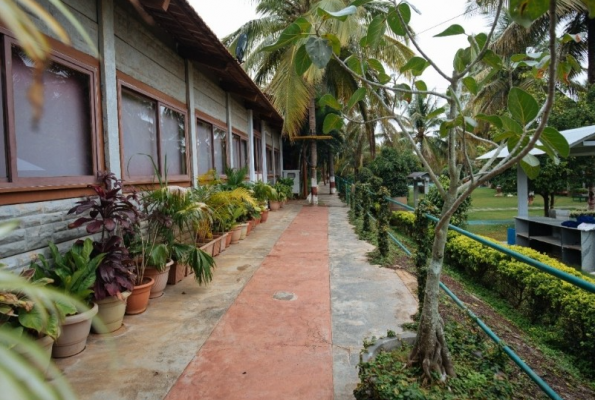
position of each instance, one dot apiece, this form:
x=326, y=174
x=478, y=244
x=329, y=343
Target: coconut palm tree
x=292, y=93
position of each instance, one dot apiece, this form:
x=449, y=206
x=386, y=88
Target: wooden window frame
x=14, y=189
x=127, y=82
x=269, y=168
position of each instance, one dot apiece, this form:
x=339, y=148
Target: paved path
x=284, y=318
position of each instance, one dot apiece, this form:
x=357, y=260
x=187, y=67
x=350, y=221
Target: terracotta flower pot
x=160, y=278
x=207, y=247
x=139, y=299
x=264, y=216
x=274, y=205
x=223, y=242
x=111, y=313
x=45, y=343
x=244, y=227
x=228, y=239
x=75, y=330
x=236, y=234
x=177, y=272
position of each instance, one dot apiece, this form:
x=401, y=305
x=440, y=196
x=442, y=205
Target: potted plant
x=73, y=273
x=110, y=215
x=173, y=215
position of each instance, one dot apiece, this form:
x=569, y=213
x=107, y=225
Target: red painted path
x=269, y=349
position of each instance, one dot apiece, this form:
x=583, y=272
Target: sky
x=225, y=16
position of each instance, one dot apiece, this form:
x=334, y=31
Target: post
x=522, y=185
x=191, y=120
x=331, y=172
x=109, y=87
x=251, y=171
x=229, y=139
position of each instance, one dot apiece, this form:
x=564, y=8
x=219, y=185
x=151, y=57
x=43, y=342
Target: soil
x=566, y=385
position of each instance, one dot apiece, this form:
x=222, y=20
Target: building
x=163, y=85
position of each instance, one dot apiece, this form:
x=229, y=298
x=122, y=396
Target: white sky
x=225, y=16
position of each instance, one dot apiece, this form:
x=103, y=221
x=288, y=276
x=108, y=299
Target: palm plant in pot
x=109, y=216
x=173, y=214
x=263, y=193
x=73, y=273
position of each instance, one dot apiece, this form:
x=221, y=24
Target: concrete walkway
x=284, y=318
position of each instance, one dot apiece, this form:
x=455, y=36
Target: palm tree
x=424, y=121
x=293, y=94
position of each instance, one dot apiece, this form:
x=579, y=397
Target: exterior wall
x=84, y=11
x=39, y=223
x=142, y=55
x=239, y=116
x=209, y=98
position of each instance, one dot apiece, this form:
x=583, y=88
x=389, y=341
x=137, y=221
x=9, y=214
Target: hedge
x=546, y=300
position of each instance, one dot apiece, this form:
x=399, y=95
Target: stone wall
x=208, y=96
x=39, y=224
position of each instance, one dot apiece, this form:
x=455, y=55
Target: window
x=60, y=147
x=240, y=152
x=210, y=143
x=257, y=153
x=269, y=162
x=277, y=162
x=204, y=147
x=153, y=136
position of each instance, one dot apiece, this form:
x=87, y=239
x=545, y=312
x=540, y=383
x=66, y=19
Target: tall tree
x=519, y=127
x=292, y=86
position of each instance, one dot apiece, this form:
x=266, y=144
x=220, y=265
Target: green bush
x=567, y=310
x=393, y=167
x=546, y=300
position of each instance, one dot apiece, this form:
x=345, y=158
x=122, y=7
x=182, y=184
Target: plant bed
x=176, y=273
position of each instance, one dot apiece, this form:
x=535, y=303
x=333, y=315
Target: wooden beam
x=244, y=93
x=201, y=57
x=158, y=4
x=315, y=137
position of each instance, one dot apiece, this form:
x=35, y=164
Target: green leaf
x=330, y=101
x=524, y=12
x=355, y=64
x=460, y=61
x=304, y=24
x=335, y=43
x=421, y=85
x=356, y=97
x=341, y=15
x=332, y=122
x=502, y=135
x=435, y=113
x=358, y=3
x=510, y=124
x=471, y=122
x=518, y=57
x=492, y=59
x=481, y=39
x=407, y=95
x=470, y=84
x=492, y=119
x=556, y=140
x=319, y=50
x=288, y=36
x=302, y=60
x=394, y=22
x=383, y=78
x=417, y=65
x=452, y=30
x=530, y=165
x=376, y=31
x=522, y=106
x=375, y=64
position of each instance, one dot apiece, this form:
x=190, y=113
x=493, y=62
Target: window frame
x=72, y=59
x=127, y=82
x=214, y=126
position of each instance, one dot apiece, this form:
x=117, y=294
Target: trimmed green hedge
x=545, y=299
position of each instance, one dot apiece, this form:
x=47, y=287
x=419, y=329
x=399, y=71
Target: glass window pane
x=203, y=147
x=219, y=147
x=269, y=162
x=257, y=151
x=3, y=169
x=173, y=140
x=277, y=163
x=60, y=143
x=236, y=152
x=139, y=131
x=244, y=153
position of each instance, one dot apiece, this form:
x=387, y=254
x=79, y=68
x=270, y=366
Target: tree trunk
x=430, y=350
x=590, y=50
x=313, y=152
x=591, y=198
x=546, y=204
x=331, y=173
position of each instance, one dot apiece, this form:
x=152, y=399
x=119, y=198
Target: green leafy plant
x=74, y=272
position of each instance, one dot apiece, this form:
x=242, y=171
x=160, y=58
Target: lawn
x=505, y=209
